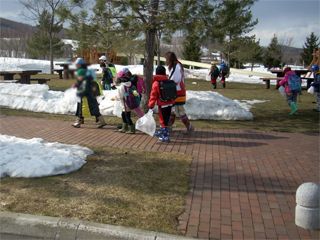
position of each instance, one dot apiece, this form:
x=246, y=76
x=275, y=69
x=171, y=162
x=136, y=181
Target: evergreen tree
x=38, y=46
x=273, y=54
x=311, y=43
x=192, y=49
x=249, y=51
x=196, y=30
x=233, y=20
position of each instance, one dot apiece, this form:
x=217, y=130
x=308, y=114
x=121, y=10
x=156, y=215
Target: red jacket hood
x=159, y=78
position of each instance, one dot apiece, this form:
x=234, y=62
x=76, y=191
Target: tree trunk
x=158, y=46
x=151, y=32
x=51, y=54
x=149, y=59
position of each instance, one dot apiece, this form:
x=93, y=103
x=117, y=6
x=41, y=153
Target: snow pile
x=37, y=158
x=244, y=78
x=212, y=105
x=19, y=64
x=197, y=73
x=248, y=104
x=38, y=98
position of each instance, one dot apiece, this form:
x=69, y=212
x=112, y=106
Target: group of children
x=221, y=71
x=168, y=92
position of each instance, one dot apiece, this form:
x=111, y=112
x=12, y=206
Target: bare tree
x=36, y=8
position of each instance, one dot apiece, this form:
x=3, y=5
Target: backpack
x=109, y=77
x=224, y=69
x=112, y=69
x=91, y=73
x=96, y=88
x=294, y=82
x=168, y=90
x=131, y=100
x=138, y=83
x=215, y=73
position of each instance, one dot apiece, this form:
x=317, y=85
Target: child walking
x=129, y=100
x=164, y=106
x=292, y=84
x=176, y=73
x=85, y=93
x=214, y=74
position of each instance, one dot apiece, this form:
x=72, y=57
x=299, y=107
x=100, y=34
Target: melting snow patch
x=247, y=104
x=212, y=105
x=37, y=158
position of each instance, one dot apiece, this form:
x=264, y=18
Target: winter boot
x=164, y=136
x=293, y=107
x=187, y=123
x=132, y=129
x=101, y=122
x=158, y=132
x=124, y=128
x=77, y=123
x=214, y=85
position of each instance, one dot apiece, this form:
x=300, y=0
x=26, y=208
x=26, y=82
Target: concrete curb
x=26, y=226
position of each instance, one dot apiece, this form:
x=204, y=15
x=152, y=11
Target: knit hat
x=79, y=61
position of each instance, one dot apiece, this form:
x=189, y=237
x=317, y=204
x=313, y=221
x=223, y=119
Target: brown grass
x=136, y=189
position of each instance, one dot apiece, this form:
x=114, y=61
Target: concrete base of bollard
x=307, y=218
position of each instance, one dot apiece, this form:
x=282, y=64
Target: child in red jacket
x=164, y=107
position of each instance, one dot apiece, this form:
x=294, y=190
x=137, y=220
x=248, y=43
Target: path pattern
x=242, y=183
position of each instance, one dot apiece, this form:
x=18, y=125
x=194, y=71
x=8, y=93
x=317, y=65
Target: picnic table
x=65, y=71
x=280, y=75
x=280, y=72
x=25, y=75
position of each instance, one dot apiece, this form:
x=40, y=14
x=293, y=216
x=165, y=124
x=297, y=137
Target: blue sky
x=287, y=19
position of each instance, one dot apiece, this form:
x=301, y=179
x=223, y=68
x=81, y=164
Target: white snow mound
x=212, y=105
x=37, y=158
x=38, y=98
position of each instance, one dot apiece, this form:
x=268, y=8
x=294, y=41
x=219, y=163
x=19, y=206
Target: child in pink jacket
x=292, y=84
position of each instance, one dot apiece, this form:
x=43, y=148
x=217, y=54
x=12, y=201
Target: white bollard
x=308, y=206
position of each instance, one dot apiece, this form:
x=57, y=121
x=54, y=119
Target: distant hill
x=12, y=29
x=291, y=55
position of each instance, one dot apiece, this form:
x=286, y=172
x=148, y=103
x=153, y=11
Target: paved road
x=243, y=182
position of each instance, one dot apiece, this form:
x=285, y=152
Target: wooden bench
x=65, y=73
x=40, y=80
x=268, y=79
x=9, y=81
x=59, y=71
x=278, y=79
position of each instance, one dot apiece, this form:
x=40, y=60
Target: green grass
x=137, y=189
x=272, y=115
x=269, y=116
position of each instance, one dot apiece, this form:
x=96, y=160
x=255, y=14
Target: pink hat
x=287, y=69
x=121, y=74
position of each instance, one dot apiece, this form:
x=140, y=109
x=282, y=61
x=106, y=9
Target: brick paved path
x=242, y=182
